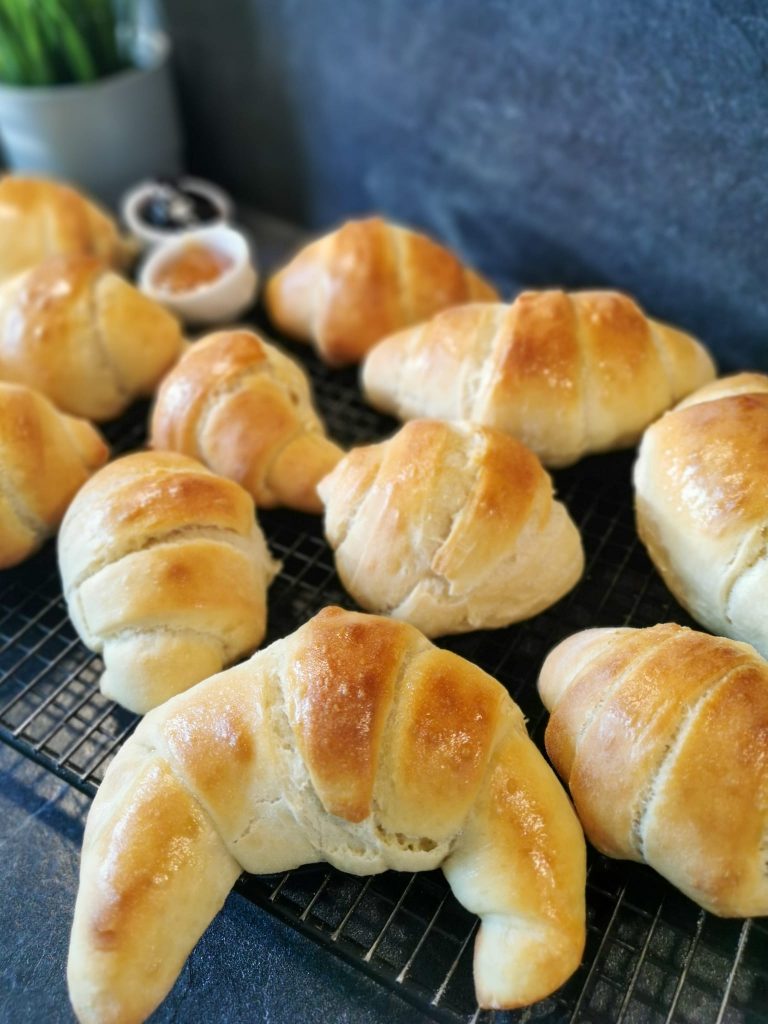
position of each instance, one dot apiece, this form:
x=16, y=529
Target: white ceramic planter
x=103, y=136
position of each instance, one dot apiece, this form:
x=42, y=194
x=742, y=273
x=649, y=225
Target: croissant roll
x=701, y=498
x=40, y=218
x=45, y=456
x=245, y=409
x=84, y=337
x=567, y=374
x=662, y=737
x=363, y=281
x=353, y=741
x=451, y=527
x=165, y=572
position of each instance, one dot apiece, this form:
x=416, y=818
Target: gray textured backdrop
x=576, y=142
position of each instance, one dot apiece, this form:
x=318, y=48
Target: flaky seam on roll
x=701, y=500
x=661, y=735
x=347, y=290
x=165, y=572
x=451, y=527
x=353, y=741
x=568, y=374
x=245, y=409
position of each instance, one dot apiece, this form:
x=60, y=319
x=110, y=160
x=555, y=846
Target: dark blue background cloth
x=591, y=142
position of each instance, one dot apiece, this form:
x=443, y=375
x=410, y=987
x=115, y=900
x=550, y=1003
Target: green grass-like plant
x=56, y=42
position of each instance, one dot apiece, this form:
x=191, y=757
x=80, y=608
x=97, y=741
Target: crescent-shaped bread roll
x=40, y=218
x=662, y=737
x=701, y=497
x=45, y=456
x=165, y=572
x=451, y=527
x=567, y=374
x=363, y=281
x=245, y=409
x=84, y=336
x=352, y=741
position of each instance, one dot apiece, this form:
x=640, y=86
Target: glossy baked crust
x=40, y=218
x=451, y=527
x=84, y=336
x=45, y=456
x=242, y=407
x=165, y=572
x=701, y=498
x=354, y=741
x=566, y=373
x=662, y=737
x=368, y=278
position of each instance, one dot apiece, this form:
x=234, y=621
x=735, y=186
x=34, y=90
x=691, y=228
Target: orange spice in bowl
x=206, y=276
x=192, y=266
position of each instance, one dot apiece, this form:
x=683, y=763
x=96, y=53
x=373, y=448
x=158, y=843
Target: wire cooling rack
x=652, y=956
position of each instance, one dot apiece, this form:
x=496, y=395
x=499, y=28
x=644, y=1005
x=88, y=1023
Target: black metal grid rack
x=652, y=956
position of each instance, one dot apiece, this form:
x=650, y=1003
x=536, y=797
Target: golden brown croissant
x=84, y=337
x=40, y=218
x=245, y=409
x=368, y=278
x=451, y=527
x=165, y=571
x=353, y=741
x=701, y=496
x=662, y=737
x=45, y=456
x=567, y=374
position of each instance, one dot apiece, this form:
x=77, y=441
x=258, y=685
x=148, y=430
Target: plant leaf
x=49, y=42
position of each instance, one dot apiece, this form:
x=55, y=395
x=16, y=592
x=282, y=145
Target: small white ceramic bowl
x=148, y=234
x=214, y=302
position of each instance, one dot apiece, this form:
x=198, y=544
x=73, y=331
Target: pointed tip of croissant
x=271, y=295
x=381, y=369
x=289, y=295
x=517, y=964
x=90, y=443
x=564, y=662
x=287, y=313
x=297, y=472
